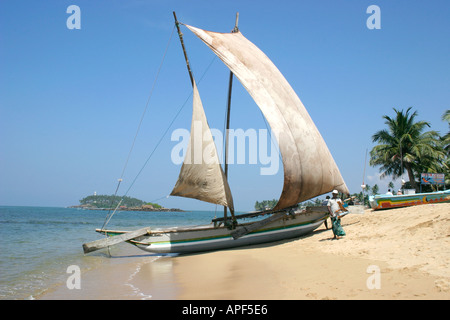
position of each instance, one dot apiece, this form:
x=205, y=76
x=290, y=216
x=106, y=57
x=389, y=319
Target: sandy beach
x=408, y=249
x=392, y=254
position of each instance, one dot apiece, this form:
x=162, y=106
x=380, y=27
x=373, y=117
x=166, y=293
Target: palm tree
x=446, y=138
x=405, y=146
x=446, y=146
x=375, y=189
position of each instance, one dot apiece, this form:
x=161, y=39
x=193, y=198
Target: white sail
x=201, y=176
x=309, y=168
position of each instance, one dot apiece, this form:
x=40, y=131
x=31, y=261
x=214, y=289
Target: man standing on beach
x=325, y=203
x=333, y=209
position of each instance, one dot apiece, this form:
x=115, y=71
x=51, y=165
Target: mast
x=209, y=190
x=177, y=24
x=230, y=86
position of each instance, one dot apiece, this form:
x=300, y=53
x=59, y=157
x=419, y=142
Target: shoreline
x=128, y=274
x=401, y=251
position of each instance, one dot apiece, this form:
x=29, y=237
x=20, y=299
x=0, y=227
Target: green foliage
x=445, y=140
x=375, y=189
x=406, y=146
x=155, y=205
x=361, y=198
x=265, y=205
x=104, y=201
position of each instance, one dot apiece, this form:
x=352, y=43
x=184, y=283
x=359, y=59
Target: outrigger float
x=379, y=202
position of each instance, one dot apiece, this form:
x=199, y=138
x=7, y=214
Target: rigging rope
x=148, y=101
x=108, y=217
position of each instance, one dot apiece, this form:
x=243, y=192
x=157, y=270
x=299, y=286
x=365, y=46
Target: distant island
x=105, y=202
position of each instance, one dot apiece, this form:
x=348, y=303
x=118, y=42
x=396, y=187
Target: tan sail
x=309, y=168
x=201, y=176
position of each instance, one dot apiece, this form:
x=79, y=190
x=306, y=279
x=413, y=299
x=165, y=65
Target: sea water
x=38, y=244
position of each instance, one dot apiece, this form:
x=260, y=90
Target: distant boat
x=388, y=201
x=309, y=168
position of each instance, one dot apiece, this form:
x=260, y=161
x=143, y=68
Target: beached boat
x=383, y=201
x=309, y=168
x=208, y=237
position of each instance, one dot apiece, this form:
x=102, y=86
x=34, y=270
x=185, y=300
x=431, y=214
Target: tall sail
x=201, y=176
x=309, y=168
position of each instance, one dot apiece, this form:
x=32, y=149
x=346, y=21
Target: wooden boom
x=107, y=242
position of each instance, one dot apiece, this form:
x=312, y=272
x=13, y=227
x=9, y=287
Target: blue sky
x=71, y=100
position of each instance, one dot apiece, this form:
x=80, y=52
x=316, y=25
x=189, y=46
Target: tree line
x=106, y=202
x=265, y=205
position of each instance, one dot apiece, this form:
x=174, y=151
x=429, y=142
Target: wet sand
x=124, y=273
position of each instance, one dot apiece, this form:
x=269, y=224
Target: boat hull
x=208, y=238
x=379, y=202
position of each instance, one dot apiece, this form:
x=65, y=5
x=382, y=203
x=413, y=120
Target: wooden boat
x=309, y=168
x=208, y=237
x=388, y=202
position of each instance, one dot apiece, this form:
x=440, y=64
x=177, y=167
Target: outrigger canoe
x=378, y=202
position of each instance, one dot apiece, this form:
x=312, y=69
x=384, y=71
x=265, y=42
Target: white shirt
x=334, y=206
